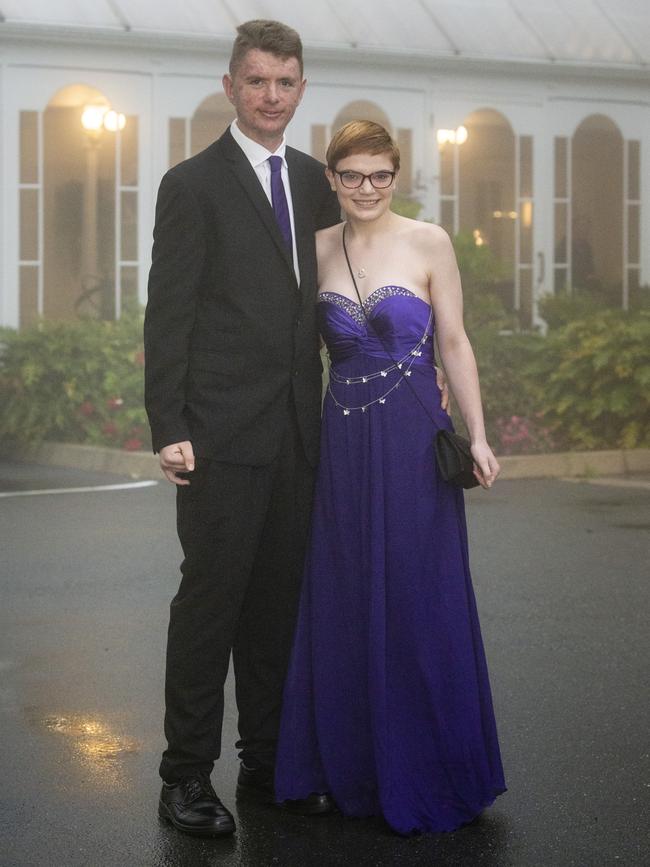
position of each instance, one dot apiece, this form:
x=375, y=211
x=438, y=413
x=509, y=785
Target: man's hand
x=177, y=458
x=441, y=382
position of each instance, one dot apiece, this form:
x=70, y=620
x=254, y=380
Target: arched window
x=486, y=188
x=361, y=109
x=597, y=212
x=190, y=135
x=78, y=207
x=487, y=181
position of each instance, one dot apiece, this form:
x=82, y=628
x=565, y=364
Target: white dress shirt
x=258, y=156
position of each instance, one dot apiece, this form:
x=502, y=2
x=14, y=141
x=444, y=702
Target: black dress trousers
x=243, y=530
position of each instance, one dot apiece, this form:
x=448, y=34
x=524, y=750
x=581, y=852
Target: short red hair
x=361, y=137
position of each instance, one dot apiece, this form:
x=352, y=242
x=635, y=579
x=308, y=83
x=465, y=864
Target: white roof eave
x=120, y=37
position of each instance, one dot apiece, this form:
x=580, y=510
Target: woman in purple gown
x=387, y=702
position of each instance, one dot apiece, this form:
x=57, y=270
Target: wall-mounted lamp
x=114, y=120
x=453, y=136
x=97, y=117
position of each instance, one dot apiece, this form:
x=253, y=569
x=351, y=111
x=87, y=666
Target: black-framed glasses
x=353, y=180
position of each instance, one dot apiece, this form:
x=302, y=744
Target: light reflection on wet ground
x=92, y=743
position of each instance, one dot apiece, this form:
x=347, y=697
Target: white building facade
x=552, y=175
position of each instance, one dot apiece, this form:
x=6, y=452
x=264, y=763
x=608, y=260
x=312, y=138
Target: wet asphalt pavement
x=561, y=572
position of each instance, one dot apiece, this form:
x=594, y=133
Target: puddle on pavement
x=95, y=745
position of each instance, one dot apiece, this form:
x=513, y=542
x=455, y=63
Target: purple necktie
x=279, y=200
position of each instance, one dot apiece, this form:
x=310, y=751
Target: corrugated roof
x=589, y=32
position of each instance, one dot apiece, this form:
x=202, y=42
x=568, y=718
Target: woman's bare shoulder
x=327, y=239
x=429, y=243
x=325, y=235
x=428, y=234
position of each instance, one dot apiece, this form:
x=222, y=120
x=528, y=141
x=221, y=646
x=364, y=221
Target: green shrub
x=75, y=382
x=479, y=267
x=513, y=421
x=592, y=381
x=564, y=307
x=585, y=385
x=482, y=275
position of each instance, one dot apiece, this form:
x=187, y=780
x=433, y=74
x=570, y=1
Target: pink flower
x=114, y=402
x=87, y=408
x=132, y=445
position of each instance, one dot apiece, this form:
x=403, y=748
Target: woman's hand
x=441, y=382
x=486, y=466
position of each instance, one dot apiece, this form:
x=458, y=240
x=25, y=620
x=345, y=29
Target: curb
x=575, y=464
x=97, y=459
x=144, y=465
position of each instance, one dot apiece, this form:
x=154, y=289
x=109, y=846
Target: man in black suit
x=233, y=386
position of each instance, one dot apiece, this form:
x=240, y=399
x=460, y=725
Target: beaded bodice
x=369, y=357
x=354, y=309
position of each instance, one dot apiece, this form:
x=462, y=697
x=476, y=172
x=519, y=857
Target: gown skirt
x=387, y=703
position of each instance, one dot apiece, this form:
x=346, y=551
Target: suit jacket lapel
x=248, y=179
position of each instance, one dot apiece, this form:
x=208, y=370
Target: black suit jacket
x=230, y=337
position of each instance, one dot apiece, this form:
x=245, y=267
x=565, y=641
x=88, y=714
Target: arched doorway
x=361, y=109
x=487, y=198
x=593, y=217
x=597, y=206
x=78, y=207
x=190, y=135
x=486, y=187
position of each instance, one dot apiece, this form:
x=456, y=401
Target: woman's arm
x=455, y=349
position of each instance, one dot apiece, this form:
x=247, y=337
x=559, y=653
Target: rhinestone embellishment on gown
x=353, y=309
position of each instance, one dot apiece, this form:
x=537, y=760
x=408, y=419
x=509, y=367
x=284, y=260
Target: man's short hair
x=271, y=36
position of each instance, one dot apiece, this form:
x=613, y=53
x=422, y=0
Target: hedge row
x=585, y=385
x=75, y=382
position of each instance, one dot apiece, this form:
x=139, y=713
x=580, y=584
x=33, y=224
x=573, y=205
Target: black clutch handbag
x=455, y=459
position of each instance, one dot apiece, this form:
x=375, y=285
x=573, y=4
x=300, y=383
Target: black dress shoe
x=316, y=804
x=192, y=806
x=255, y=783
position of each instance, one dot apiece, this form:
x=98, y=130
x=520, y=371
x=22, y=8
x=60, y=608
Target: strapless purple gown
x=387, y=702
